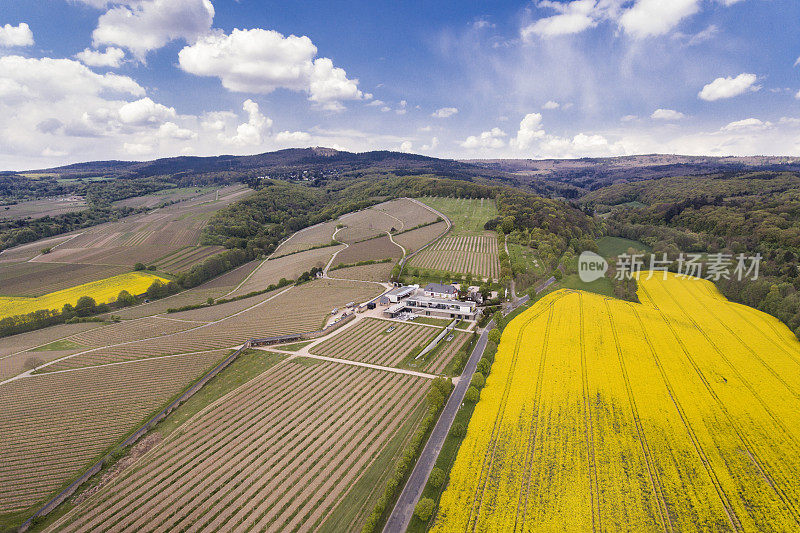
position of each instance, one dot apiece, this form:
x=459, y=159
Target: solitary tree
x=437, y=477
x=85, y=306
x=125, y=298
x=424, y=509
x=494, y=336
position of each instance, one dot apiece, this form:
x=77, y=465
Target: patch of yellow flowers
x=103, y=291
x=681, y=413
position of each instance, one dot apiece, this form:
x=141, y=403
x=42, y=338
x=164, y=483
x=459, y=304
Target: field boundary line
x=295, y=355
x=444, y=217
x=131, y=439
x=56, y=246
x=128, y=362
x=49, y=363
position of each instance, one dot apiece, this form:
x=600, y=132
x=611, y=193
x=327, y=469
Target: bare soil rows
x=185, y=259
x=301, y=309
x=379, y=272
x=437, y=365
x=415, y=239
x=370, y=341
x=373, y=249
x=256, y=460
x=130, y=330
x=410, y=213
x=289, y=267
x=307, y=238
x=53, y=426
x=37, y=279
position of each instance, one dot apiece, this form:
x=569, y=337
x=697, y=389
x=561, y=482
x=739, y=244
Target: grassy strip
x=292, y=347
x=63, y=344
x=11, y=522
x=458, y=431
x=353, y=508
x=249, y=364
x=362, y=263
x=435, y=400
x=431, y=320
x=211, y=302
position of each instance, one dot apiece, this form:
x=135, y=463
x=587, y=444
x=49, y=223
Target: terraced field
x=291, y=310
x=679, y=413
x=379, y=272
x=373, y=249
x=415, y=239
x=280, y=451
x=185, y=258
x=53, y=426
x=467, y=254
x=376, y=341
x=289, y=267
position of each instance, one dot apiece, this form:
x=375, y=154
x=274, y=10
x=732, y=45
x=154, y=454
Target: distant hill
x=294, y=160
x=594, y=173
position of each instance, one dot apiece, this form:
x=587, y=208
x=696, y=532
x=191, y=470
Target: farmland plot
x=415, y=239
x=317, y=235
x=145, y=238
x=468, y=215
x=373, y=249
x=365, y=224
x=407, y=212
x=277, y=453
x=103, y=291
x=675, y=414
x=53, y=426
x=38, y=279
x=289, y=267
x=379, y=272
x=476, y=255
x=445, y=351
x=292, y=310
x=376, y=341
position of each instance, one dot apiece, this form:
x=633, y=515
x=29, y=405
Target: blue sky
x=138, y=79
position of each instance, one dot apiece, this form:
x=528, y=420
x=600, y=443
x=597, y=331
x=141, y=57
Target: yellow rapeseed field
x=103, y=291
x=681, y=413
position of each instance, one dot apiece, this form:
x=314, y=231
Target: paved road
x=404, y=508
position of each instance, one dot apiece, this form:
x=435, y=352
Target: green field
x=467, y=215
x=603, y=285
x=613, y=246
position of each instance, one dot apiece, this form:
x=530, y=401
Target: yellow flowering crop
x=681, y=413
x=103, y=291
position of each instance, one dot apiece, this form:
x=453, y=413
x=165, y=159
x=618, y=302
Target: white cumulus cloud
x=648, y=18
x=148, y=25
x=747, y=124
x=573, y=17
x=530, y=129
x=445, y=112
x=729, y=87
x=112, y=57
x=293, y=137
x=493, y=138
x=252, y=132
x=551, y=104
x=667, y=114
x=19, y=35
x=260, y=61
x=145, y=111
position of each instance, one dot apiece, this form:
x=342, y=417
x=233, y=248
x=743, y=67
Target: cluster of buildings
x=435, y=300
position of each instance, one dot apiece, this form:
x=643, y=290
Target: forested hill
x=283, y=163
